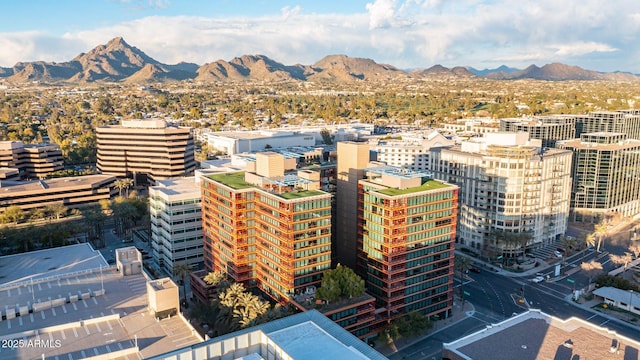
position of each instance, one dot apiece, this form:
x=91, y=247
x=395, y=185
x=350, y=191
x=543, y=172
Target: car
x=557, y=253
x=537, y=279
x=474, y=269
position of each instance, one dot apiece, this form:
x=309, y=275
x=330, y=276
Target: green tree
x=326, y=136
x=339, y=282
x=592, y=268
x=182, y=270
x=13, y=214
x=56, y=209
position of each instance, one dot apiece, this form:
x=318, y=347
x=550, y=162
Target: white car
x=537, y=279
x=558, y=254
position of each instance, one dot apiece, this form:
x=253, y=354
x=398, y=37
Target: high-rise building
x=407, y=230
x=176, y=223
x=266, y=227
x=150, y=148
x=549, y=129
x=621, y=121
x=353, y=158
x=605, y=171
x=409, y=150
x=508, y=184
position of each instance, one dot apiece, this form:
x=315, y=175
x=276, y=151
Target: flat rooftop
x=535, y=335
x=305, y=336
x=52, y=184
x=112, y=323
x=48, y=263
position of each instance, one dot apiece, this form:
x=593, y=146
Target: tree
x=13, y=214
x=57, y=209
x=123, y=184
x=599, y=232
x=182, y=270
x=621, y=259
x=326, y=136
x=635, y=249
x=338, y=282
x=592, y=268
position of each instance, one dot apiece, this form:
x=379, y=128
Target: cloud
x=406, y=34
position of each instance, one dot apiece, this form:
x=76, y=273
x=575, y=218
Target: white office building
x=176, y=223
x=508, y=184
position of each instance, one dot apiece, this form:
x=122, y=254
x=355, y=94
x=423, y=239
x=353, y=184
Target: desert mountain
x=560, y=72
x=119, y=61
x=342, y=68
x=249, y=67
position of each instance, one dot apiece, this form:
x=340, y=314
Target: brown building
x=145, y=148
x=267, y=228
x=72, y=192
x=32, y=161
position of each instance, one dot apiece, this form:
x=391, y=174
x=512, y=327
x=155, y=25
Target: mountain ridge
x=118, y=61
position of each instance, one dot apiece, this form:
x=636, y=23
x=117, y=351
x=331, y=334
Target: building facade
x=176, y=223
x=605, y=173
x=407, y=230
x=549, y=129
x=353, y=158
x=409, y=150
x=33, y=161
x=149, y=148
x=621, y=121
x=508, y=184
x=267, y=229
x=72, y=192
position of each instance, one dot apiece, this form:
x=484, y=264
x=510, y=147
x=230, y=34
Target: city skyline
x=407, y=34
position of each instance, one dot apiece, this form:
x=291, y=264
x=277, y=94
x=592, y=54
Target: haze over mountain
x=119, y=61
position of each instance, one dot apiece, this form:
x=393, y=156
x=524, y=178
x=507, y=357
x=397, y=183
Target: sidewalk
x=611, y=314
x=458, y=313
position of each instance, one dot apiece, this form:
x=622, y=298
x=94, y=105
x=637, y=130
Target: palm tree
x=123, y=184
x=600, y=231
x=621, y=259
x=591, y=268
x=181, y=270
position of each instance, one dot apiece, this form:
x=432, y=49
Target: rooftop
x=536, y=335
x=426, y=186
x=53, y=184
x=71, y=309
x=297, y=194
x=234, y=180
x=306, y=336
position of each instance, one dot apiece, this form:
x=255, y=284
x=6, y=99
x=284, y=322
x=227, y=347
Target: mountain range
x=117, y=61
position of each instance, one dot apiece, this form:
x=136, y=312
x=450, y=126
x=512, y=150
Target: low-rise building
x=72, y=192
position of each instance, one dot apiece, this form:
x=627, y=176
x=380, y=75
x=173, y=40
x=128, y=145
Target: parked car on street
x=537, y=279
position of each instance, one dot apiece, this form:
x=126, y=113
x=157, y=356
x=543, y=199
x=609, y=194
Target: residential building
x=406, y=236
x=33, y=161
x=267, y=228
x=176, y=223
x=409, y=149
x=509, y=184
x=353, y=158
x=549, y=129
x=621, y=121
x=72, y=192
x=147, y=150
x=605, y=173
x=472, y=126
x=536, y=335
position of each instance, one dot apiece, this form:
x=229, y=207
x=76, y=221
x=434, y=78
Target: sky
x=408, y=34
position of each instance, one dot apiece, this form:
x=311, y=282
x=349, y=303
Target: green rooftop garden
x=428, y=185
x=297, y=194
x=233, y=180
